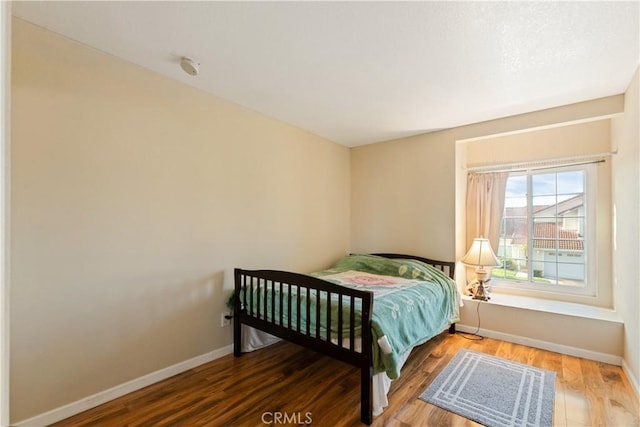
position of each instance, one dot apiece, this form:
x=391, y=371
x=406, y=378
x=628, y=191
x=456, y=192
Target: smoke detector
x=189, y=66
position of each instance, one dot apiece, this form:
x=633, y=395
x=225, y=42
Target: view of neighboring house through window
x=545, y=232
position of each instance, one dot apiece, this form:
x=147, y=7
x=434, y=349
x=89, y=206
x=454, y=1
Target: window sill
x=551, y=306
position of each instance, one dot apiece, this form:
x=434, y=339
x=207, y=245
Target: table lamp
x=481, y=255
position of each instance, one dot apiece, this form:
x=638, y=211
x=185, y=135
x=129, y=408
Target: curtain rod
x=541, y=164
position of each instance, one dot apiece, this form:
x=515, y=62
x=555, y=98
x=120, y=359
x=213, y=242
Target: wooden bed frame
x=267, y=320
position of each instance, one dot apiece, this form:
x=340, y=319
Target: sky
x=544, y=186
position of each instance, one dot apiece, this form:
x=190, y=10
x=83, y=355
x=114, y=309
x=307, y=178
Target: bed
x=366, y=310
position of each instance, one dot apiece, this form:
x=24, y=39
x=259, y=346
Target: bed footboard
x=298, y=308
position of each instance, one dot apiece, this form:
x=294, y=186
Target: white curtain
x=485, y=206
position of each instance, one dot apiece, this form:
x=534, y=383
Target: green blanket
x=409, y=313
x=413, y=302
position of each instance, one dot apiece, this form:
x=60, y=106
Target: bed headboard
x=447, y=267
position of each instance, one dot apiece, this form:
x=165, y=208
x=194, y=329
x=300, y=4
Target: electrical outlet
x=223, y=319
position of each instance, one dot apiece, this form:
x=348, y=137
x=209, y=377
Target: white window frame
x=590, y=241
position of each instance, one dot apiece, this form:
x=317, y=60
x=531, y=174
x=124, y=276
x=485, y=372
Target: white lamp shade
x=481, y=254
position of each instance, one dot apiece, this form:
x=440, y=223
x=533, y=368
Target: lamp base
x=481, y=293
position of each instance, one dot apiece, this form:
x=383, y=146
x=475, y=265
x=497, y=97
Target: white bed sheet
x=254, y=339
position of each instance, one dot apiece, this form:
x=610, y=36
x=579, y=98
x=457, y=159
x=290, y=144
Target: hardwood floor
x=287, y=379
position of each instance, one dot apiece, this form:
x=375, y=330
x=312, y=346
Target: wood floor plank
x=577, y=404
x=594, y=391
x=621, y=409
x=287, y=379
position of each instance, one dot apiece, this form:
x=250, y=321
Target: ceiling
x=363, y=72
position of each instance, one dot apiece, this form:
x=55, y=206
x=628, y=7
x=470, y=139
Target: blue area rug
x=494, y=391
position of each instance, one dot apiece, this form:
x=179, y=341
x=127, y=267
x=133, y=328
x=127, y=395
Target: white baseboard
x=99, y=398
x=635, y=384
x=545, y=345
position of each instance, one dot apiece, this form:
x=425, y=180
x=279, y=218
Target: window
x=547, y=235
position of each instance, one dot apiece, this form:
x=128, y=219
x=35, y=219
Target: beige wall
x=576, y=335
x=556, y=142
x=578, y=139
x=5, y=119
x=133, y=198
x=400, y=197
x=626, y=206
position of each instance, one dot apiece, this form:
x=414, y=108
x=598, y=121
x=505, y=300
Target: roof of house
x=545, y=235
x=561, y=208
